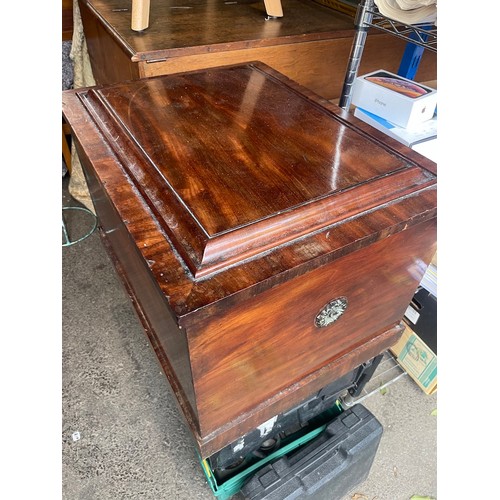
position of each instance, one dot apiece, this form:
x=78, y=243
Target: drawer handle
x=331, y=312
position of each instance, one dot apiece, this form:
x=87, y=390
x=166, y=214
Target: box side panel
x=265, y=344
x=168, y=341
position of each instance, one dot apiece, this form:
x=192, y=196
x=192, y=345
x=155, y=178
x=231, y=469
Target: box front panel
x=266, y=344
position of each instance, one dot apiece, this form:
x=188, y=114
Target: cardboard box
x=417, y=359
x=394, y=98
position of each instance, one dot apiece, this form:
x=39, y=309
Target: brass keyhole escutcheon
x=331, y=312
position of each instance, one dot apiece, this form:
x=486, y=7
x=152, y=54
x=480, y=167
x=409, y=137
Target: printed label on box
x=418, y=361
x=412, y=314
x=407, y=88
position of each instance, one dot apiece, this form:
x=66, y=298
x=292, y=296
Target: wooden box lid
x=229, y=178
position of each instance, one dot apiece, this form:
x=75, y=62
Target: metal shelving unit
x=368, y=16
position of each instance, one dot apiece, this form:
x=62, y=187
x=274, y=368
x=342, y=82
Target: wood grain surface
x=242, y=163
x=310, y=43
x=264, y=344
x=236, y=204
x=178, y=27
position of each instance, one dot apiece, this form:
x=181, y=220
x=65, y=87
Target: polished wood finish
x=152, y=307
x=266, y=343
x=310, y=43
x=318, y=65
x=236, y=204
x=110, y=63
x=67, y=20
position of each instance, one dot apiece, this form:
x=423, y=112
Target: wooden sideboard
x=310, y=43
x=270, y=241
x=67, y=20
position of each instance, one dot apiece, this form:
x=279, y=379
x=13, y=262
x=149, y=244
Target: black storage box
x=327, y=468
x=421, y=315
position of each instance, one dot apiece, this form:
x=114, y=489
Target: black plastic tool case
x=329, y=467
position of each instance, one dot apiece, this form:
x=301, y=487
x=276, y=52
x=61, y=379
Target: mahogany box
x=269, y=241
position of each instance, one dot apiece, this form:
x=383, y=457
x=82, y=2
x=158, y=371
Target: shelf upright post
x=362, y=22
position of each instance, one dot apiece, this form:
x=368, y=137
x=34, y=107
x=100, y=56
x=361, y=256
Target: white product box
x=409, y=137
x=399, y=100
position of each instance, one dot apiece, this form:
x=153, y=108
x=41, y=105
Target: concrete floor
x=133, y=443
